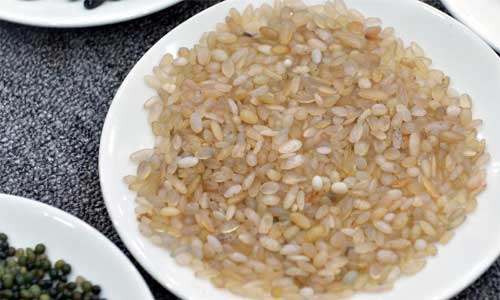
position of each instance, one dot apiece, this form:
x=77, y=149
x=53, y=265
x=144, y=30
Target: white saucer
x=473, y=68
x=91, y=255
x=71, y=13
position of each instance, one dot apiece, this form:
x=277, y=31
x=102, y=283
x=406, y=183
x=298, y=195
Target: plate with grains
x=315, y=150
x=77, y=13
x=46, y=254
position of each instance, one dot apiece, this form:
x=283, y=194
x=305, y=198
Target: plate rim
x=23, y=20
x=463, y=17
x=99, y=236
x=450, y=292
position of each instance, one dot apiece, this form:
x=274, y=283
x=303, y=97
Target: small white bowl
x=71, y=13
x=480, y=15
x=473, y=67
x=91, y=255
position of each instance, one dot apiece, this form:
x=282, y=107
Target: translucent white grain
x=383, y=227
x=324, y=150
x=188, y=162
x=248, y=181
x=269, y=188
x=240, y=80
x=270, y=200
x=238, y=257
x=232, y=191
x=387, y=256
x=420, y=245
x=290, y=249
x=265, y=224
x=356, y=133
x=414, y=143
x=453, y=111
x=290, y=197
x=293, y=162
x=339, y=188
x=316, y=56
x=290, y=146
x=141, y=155
x=306, y=292
x=270, y=244
x=364, y=83
x=196, y=122
x=180, y=61
x=214, y=243
x=317, y=183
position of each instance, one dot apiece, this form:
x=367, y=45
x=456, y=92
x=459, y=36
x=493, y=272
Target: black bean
x=40, y=249
x=11, y=251
x=3, y=237
x=96, y=289
x=89, y=4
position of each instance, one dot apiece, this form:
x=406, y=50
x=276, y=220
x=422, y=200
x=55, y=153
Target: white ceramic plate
x=92, y=256
x=71, y=13
x=474, y=69
x=480, y=15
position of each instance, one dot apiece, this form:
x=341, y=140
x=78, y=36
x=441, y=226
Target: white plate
x=71, y=13
x=92, y=256
x=474, y=69
x=480, y=15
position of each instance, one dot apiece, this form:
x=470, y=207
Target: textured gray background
x=55, y=89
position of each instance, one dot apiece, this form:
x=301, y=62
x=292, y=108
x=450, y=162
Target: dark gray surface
x=55, y=89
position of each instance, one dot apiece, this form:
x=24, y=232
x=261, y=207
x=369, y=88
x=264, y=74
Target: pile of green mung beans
x=28, y=274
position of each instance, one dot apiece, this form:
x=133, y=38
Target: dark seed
x=19, y=279
x=4, y=245
x=35, y=290
x=45, y=284
x=26, y=294
x=66, y=269
x=53, y=274
x=60, y=287
x=96, y=289
x=86, y=286
x=89, y=4
x=28, y=277
x=46, y=265
x=71, y=286
x=8, y=281
x=59, y=264
x=40, y=249
x=22, y=260
x=53, y=291
x=30, y=254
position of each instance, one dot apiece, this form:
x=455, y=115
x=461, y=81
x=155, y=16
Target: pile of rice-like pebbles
x=305, y=152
